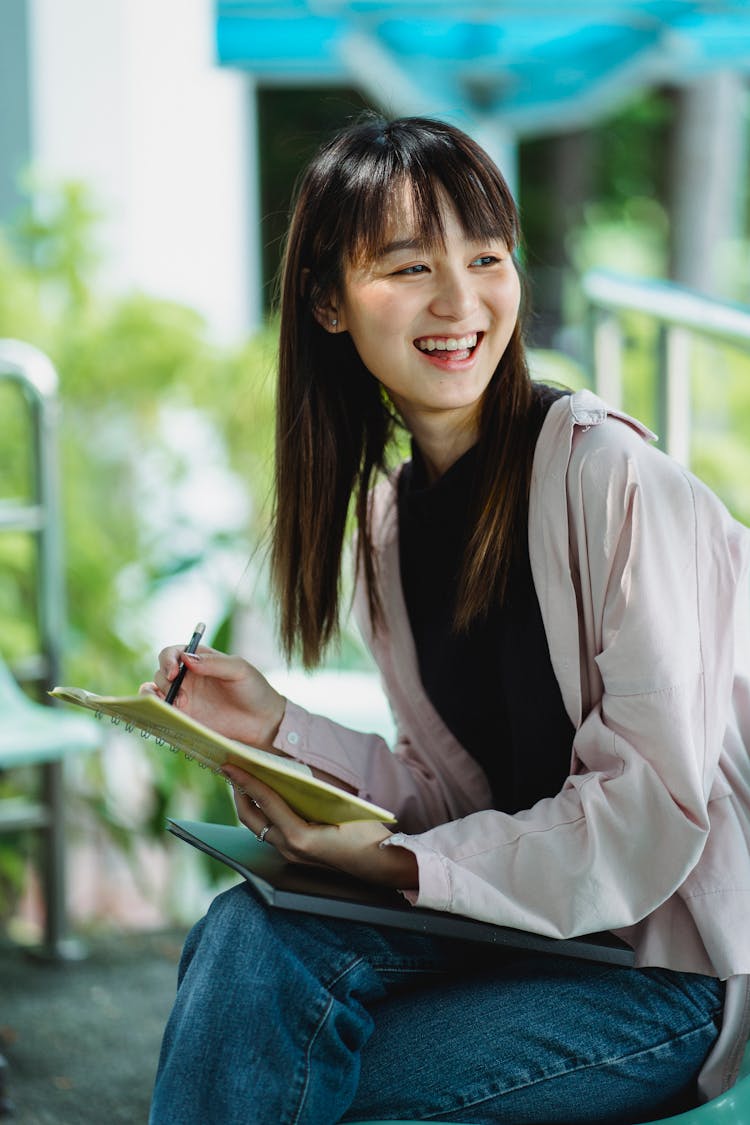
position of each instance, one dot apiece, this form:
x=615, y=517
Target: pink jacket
x=642, y=580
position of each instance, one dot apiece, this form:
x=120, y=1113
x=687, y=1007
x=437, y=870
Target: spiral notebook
x=311, y=890
x=312, y=798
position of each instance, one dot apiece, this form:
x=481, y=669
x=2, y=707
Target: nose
x=454, y=297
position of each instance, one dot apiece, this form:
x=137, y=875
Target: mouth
x=449, y=348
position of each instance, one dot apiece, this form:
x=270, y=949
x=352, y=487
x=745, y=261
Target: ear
x=329, y=316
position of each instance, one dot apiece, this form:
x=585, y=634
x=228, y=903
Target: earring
x=334, y=322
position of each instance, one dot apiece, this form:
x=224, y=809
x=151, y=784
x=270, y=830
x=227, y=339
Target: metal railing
x=38, y=514
x=680, y=315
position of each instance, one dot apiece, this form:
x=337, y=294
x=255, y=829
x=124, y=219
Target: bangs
x=415, y=207
x=384, y=174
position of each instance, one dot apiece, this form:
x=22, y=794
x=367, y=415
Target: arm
x=229, y=695
x=224, y=692
x=354, y=848
x=631, y=821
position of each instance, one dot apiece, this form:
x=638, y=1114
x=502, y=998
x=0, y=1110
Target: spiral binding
x=149, y=736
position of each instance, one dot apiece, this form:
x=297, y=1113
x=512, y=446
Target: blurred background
x=148, y=152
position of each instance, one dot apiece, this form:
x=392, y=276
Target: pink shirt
x=642, y=580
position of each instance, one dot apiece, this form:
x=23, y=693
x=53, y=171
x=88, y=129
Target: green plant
x=134, y=373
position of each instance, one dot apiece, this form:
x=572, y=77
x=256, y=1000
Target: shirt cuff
x=301, y=735
x=293, y=734
x=434, y=880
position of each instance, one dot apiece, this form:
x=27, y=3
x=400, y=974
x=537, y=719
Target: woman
x=559, y=613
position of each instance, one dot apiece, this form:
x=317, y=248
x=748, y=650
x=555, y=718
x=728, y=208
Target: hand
x=223, y=692
x=353, y=847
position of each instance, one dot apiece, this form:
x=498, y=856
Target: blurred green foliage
x=127, y=367
x=134, y=371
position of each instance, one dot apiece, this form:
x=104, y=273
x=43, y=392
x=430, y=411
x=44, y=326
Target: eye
x=411, y=271
x=485, y=260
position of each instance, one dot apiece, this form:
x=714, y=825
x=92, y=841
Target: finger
x=260, y=803
x=217, y=665
x=252, y=816
x=248, y=812
x=150, y=689
x=248, y=809
x=168, y=660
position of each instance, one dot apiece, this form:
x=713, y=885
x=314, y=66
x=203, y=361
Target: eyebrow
x=414, y=243
x=399, y=244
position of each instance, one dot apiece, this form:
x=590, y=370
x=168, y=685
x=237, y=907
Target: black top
x=493, y=686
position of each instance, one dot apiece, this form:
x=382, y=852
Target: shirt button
x=292, y=737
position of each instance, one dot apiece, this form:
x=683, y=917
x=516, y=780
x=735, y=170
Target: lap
x=540, y=1039
x=458, y=1031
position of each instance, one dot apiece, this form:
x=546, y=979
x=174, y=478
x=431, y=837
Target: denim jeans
x=290, y=1019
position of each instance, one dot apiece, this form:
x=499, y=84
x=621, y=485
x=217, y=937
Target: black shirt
x=493, y=686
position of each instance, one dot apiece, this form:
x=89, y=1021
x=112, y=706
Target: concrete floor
x=82, y=1039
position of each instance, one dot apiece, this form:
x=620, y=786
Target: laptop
x=312, y=890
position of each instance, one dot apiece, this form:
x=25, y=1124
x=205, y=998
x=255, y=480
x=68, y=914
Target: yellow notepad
x=315, y=800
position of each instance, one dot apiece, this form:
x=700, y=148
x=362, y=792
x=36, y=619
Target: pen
x=191, y=646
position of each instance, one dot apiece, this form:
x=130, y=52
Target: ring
x=261, y=836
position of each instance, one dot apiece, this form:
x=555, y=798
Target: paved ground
x=82, y=1039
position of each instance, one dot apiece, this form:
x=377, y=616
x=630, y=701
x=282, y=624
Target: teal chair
x=34, y=735
x=730, y=1108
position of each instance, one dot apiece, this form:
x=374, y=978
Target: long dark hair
x=334, y=423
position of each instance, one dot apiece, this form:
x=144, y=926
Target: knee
x=235, y=916
x=234, y=922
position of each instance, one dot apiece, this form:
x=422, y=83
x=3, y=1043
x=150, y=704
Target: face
x=432, y=323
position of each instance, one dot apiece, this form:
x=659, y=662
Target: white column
x=128, y=97
x=254, y=256
x=501, y=145
x=709, y=171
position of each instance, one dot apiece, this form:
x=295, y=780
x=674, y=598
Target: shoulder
x=614, y=472
x=612, y=453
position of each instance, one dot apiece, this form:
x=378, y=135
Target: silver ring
x=261, y=836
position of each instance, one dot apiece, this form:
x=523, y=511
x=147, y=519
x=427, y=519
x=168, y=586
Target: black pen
x=191, y=646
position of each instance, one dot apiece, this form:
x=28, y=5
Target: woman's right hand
x=224, y=692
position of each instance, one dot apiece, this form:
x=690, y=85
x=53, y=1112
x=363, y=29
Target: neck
x=441, y=445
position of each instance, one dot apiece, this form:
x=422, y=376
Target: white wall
x=126, y=95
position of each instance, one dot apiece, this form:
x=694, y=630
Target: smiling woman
x=400, y=235
x=431, y=324
x=560, y=618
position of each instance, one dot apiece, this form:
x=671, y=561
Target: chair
x=38, y=736
x=32, y=734
x=730, y=1108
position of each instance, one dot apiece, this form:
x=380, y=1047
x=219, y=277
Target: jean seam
x=382, y=967
x=331, y=982
x=590, y=1065
x=329, y=985
x=311, y=1043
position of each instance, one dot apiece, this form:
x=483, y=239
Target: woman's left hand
x=353, y=847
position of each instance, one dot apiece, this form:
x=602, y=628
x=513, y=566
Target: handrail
x=667, y=301
x=680, y=314
x=36, y=376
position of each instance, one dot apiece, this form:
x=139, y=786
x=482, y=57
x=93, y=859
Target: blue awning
x=537, y=65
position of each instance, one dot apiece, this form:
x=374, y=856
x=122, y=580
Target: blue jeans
x=290, y=1019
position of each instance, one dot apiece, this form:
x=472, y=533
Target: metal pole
x=674, y=392
x=607, y=358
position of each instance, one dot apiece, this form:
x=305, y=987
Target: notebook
x=289, y=886
x=312, y=798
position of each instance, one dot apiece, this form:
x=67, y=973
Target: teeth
x=447, y=343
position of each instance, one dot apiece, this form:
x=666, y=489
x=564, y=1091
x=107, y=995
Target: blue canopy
x=537, y=65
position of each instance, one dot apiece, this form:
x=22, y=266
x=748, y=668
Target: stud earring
x=334, y=322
